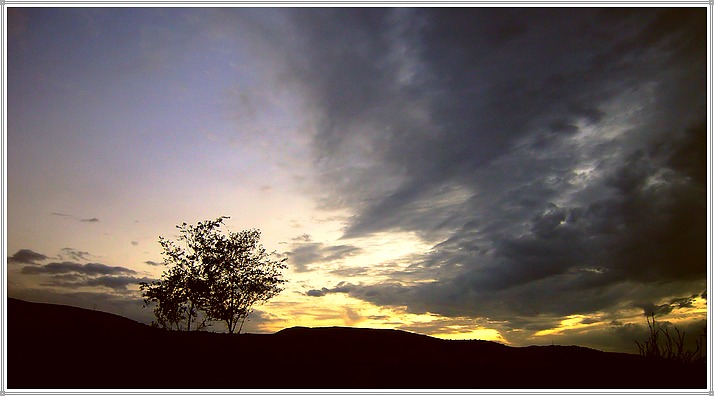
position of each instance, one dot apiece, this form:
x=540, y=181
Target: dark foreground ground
x=54, y=346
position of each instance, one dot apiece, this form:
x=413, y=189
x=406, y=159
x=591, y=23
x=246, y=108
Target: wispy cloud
x=82, y=220
x=75, y=254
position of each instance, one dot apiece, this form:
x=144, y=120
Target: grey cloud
x=342, y=287
x=73, y=281
x=556, y=158
x=659, y=310
x=347, y=272
x=518, y=314
x=649, y=308
x=72, y=274
x=258, y=322
x=317, y=293
x=92, y=220
x=68, y=278
x=303, y=255
x=66, y=267
x=591, y=320
x=116, y=282
x=303, y=238
x=154, y=263
x=75, y=254
x=352, y=317
x=687, y=155
x=26, y=256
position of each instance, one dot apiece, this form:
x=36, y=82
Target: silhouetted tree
x=169, y=310
x=174, y=306
x=182, y=290
x=222, y=276
x=240, y=275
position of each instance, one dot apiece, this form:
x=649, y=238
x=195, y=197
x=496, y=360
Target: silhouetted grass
x=661, y=344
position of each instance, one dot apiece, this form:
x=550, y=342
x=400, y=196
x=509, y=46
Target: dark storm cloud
x=26, y=256
x=428, y=96
x=556, y=157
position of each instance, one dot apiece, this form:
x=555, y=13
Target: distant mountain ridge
x=55, y=347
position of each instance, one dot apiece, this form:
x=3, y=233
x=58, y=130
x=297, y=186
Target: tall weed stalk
x=661, y=344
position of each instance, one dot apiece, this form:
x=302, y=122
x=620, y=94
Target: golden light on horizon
x=461, y=333
x=341, y=310
x=571, y=322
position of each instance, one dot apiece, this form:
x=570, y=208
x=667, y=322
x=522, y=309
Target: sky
x=524, y=175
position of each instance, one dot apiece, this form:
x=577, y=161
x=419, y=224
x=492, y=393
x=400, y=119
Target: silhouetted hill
x=54, y=346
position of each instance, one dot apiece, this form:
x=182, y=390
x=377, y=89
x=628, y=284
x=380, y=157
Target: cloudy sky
x=530, y=176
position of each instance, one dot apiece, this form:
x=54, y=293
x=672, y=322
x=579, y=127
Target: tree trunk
x=241, y=324
x=188, y=324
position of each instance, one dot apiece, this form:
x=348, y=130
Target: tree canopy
x=212, y=276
